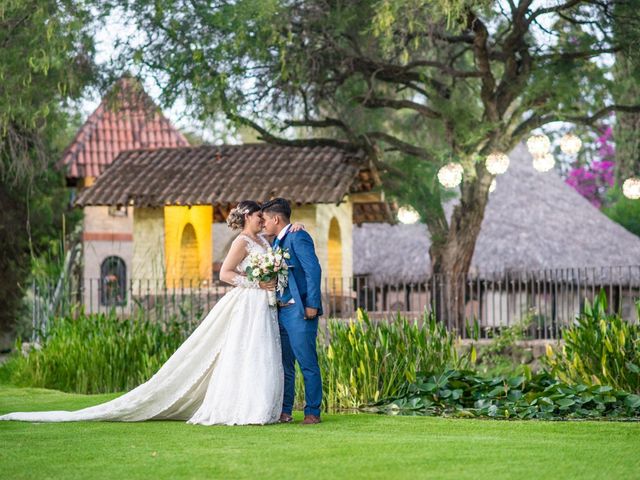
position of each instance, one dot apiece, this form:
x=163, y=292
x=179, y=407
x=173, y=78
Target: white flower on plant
x=255, y=272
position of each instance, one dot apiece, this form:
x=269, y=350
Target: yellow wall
x=187, y=244
x=334, y=255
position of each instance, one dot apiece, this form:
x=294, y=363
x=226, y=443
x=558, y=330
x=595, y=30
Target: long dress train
x=229, y=371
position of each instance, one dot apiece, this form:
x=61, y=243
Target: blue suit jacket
x=304, y=271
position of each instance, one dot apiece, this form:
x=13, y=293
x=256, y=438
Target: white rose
x=255, y=272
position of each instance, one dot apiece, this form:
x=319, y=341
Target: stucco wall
x=317, y=220
x=222, y=236
x=148, y=247
x=95, y=252
x=97, y=219
x=104, y=235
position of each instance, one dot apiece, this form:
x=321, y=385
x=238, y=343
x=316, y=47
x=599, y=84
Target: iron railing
x=545, y=301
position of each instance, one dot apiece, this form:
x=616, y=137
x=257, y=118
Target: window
x=113, y=282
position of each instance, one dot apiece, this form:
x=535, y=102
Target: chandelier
x=570, y=144
x=408, y=215
x=543, y=163
x=497, y=163
x=450, y=175
x=538, y=145
x=631, y=188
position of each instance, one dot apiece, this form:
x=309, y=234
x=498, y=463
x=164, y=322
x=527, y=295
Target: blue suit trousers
x=298, y=339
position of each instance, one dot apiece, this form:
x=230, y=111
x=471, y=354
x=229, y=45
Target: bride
x=229, y=371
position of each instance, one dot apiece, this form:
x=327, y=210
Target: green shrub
x=466, y=394
x=504, y=355
x=362, y=361
x=599, y=349
x=95, y=354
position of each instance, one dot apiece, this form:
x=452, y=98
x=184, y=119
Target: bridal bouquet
x=264, y=267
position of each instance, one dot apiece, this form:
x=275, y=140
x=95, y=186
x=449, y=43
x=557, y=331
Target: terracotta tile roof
x=224, y=175
x=126, y=119
x=374, y=212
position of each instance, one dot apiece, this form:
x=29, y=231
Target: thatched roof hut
x=533, y=222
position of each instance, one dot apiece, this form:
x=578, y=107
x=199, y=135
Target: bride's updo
x=235, y=220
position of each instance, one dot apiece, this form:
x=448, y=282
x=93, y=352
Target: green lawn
x=344, y=446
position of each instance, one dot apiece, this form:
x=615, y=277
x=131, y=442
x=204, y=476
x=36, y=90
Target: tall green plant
x=599, y=349
x=96, y=354
x=363, y=361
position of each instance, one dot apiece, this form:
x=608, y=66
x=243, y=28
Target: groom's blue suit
x=297, y=334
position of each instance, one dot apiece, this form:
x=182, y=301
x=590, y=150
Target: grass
x=343, y=446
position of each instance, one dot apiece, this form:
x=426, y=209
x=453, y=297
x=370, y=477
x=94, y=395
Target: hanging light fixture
x=492, y=187
x=570, y=144
x=497, y=163
x=543, y=163
x=538, y=145
x=408, y=215
x=631, y=188
x=450, y=175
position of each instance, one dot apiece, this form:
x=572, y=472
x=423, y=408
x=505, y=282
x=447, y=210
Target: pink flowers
x=592, y=181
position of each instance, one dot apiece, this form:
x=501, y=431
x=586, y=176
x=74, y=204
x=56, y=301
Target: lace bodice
x=252, y=247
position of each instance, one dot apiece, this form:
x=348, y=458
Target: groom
x=298, y=309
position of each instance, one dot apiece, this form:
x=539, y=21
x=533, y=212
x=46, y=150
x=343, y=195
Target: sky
x=106, y=38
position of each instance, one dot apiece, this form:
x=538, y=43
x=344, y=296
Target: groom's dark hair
x=278, y=206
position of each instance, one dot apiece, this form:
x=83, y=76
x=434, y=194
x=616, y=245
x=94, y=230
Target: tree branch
x=302, y=142
x=576, y=55
x=557, y=8
x=400, y=145
x=443, y=68
x=537, y=121
x=377, y=102
x=309, y=122
x=481, y=54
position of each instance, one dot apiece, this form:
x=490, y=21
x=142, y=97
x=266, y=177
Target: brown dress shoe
x=285, y=418
x=310, y=420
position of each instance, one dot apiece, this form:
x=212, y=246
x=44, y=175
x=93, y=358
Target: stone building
x=175, y=201
x=126, y=119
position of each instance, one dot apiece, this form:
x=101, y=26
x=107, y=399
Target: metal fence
x=545, y=301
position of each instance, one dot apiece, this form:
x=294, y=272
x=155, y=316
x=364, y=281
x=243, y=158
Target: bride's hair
x=235, y=220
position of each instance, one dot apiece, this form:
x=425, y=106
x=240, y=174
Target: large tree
x=413, y=83
x=46, y=59
x=627, y=90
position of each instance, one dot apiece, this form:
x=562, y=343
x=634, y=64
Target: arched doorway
x=113, y=281
x=189, y=262
x=334, y=274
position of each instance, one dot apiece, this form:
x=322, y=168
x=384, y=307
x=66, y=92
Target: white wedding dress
x=229, y=371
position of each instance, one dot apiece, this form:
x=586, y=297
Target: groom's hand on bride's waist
x=310, y=313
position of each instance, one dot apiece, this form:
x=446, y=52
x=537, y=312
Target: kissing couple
x=238, y=366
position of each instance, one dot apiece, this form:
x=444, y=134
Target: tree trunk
x=627, y=126
x=451, y=258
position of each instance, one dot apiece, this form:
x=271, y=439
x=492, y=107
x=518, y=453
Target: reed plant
x=363, y=361
x=96, y=353
x=599, y=349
